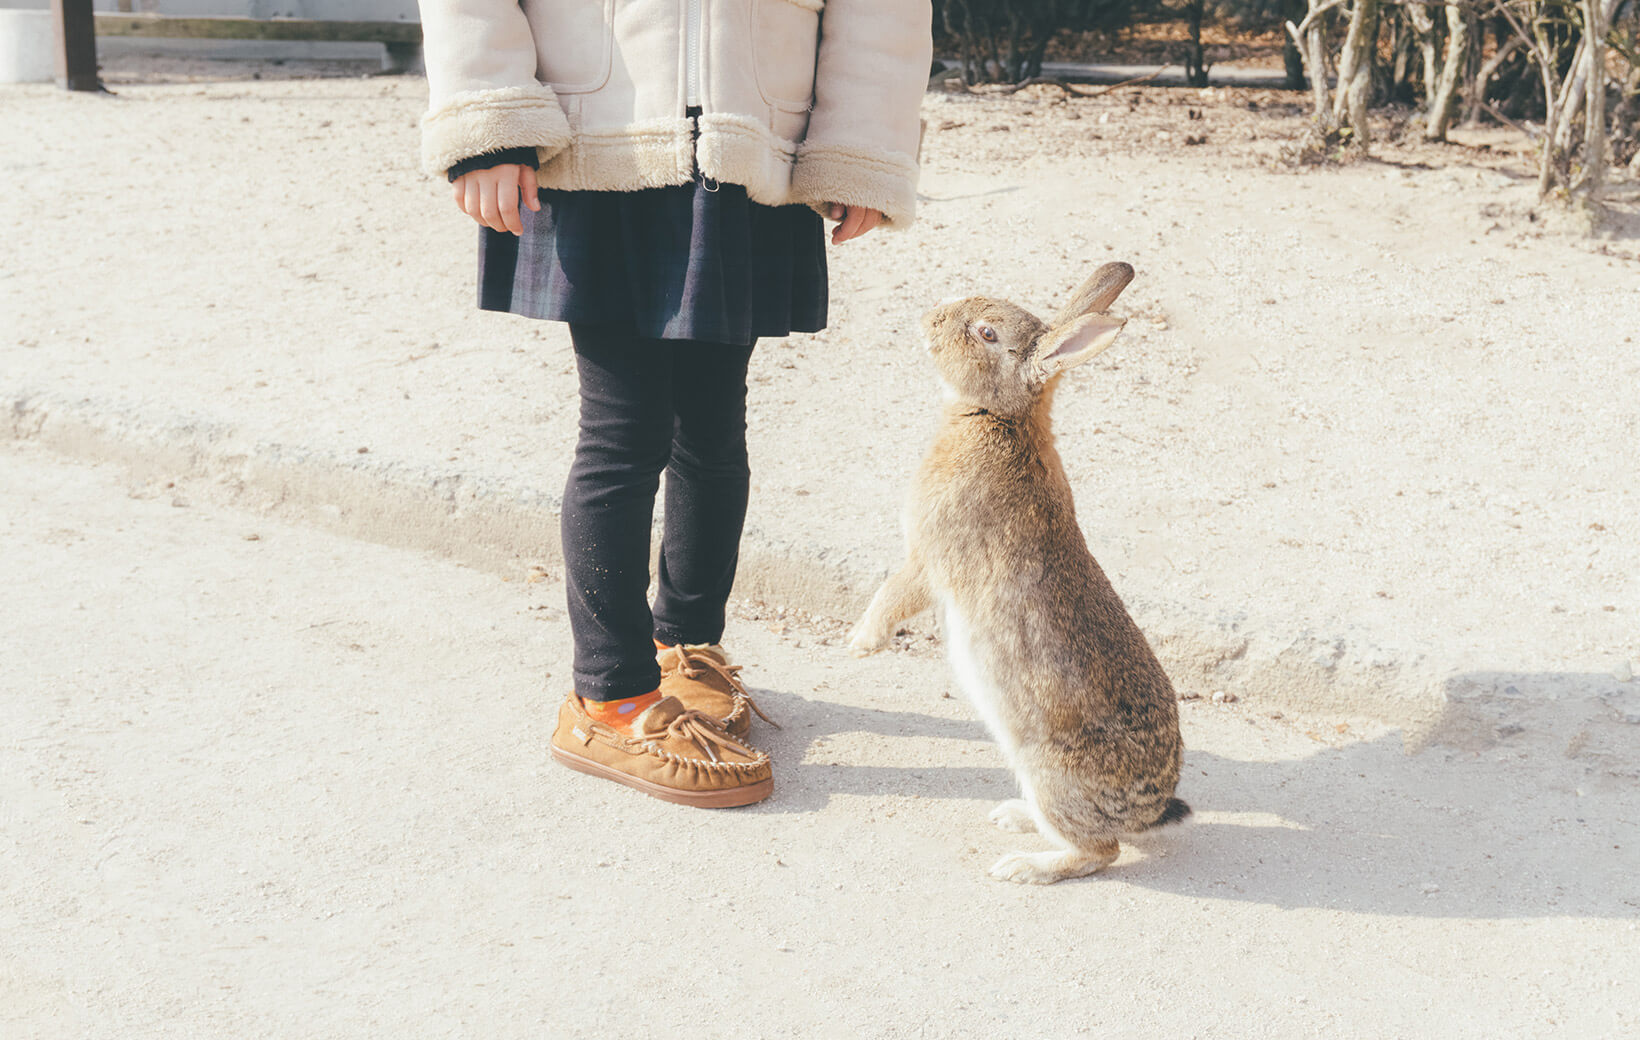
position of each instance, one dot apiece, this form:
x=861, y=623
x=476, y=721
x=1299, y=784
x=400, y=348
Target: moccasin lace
x=703, y=730
x=693, y=660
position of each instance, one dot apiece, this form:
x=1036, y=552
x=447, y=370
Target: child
x=652, y=172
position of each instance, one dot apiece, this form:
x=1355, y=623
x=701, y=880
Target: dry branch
x=1070, y=88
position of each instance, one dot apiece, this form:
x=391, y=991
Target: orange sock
x=621, y=714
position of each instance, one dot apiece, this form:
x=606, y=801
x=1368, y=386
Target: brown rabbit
x=1040, y=642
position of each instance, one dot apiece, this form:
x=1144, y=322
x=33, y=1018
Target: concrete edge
x=502, y=527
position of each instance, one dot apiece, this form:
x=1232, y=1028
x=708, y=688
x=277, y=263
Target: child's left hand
x=853, y=221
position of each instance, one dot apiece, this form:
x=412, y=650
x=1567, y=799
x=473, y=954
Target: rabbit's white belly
x=975, y=682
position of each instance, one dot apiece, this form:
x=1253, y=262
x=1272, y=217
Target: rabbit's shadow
x=1367, y=829
x=1362, y=828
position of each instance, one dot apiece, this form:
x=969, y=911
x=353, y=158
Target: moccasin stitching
x=681, y=771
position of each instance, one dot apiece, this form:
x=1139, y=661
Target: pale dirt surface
x=1368, y=442
x=1365, y=457
x=263, y=781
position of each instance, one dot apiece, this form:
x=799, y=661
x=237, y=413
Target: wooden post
x=76, y=45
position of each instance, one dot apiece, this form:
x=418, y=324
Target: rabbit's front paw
x=866, y=640
x=1014, y=815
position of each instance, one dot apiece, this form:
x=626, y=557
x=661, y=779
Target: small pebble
x=1221, y=697
x=253, y=537
x=1624, y=671
x=1430, y=888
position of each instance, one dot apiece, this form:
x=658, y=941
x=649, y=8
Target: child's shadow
x=802, y=787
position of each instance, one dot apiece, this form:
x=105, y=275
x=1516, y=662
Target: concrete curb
x=501, y=526
x=493, y=524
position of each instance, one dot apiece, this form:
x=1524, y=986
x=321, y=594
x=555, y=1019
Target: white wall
x=344, y=10
x=347, y=10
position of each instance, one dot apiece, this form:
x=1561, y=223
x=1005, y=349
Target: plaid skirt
x=690, y=262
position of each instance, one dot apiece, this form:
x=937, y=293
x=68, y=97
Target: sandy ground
x=263, y=781
x=1363, y=460
x=1368, y=442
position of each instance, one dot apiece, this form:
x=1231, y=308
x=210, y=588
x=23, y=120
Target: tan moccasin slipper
x=675, y=754
x=700, y=675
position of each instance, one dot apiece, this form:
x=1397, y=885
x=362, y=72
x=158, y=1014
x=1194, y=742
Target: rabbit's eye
x=987, y=334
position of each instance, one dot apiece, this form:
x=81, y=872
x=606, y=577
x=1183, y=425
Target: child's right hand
x=491, y=196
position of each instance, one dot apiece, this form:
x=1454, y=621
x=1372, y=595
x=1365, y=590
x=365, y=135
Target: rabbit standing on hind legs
x=1039, y=641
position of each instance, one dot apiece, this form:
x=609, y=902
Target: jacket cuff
x=883, y=181
x=520, y=156
x=479, y=122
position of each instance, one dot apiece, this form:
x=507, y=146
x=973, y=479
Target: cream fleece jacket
x=802, y=101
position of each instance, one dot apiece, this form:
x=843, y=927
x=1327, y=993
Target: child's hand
x=853, y=221
x=491, y=196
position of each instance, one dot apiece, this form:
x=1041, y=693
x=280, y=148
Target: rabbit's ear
x=1095, y=295
x=1066, y=346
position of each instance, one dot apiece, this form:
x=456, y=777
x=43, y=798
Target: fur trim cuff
x=884, y=181
x=481, y=121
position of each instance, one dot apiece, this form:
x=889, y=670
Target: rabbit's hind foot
x=1014, y=815
x=1044, y=868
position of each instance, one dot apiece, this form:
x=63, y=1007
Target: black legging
x=649, y=405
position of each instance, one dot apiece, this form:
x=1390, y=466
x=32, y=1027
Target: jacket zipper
x=691, y=50
x=691, y=57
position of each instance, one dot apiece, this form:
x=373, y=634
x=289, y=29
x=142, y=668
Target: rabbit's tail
x=1176, y=811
